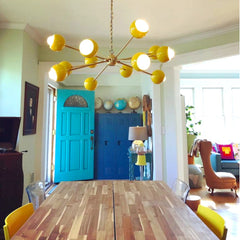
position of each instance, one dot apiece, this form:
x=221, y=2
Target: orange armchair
x=215, y=180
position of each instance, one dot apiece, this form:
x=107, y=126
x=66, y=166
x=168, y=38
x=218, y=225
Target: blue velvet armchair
x=223, y=165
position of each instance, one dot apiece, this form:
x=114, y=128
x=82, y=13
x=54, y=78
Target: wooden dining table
x=113, y=210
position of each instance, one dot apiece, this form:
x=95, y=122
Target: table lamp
x=138, y=134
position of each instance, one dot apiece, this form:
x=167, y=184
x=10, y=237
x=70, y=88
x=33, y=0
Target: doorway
x=50, y=136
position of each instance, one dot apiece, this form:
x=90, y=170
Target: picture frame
x=30, y=109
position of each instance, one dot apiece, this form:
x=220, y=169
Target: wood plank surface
x=108, y=210
x=75, y=210
x=149, y=210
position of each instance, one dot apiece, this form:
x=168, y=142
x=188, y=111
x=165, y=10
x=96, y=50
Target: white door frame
x=169, y=137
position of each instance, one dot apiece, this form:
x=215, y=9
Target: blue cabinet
x=111, y=144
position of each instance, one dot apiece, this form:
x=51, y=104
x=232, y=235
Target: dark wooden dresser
x=11, y=173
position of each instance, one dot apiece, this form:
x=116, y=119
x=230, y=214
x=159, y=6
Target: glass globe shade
x=50, y=40
x=142, y=25
x=52, y=74
x=171, y=53
x=57, y=73
x=143, y=62
x=56, y=42
x=86, y=47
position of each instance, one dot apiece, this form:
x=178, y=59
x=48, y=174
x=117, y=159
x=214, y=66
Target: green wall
x=11, y=42
x=19, y=63
x=208, y=42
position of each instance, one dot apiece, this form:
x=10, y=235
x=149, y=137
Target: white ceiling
x=231, y=64
x=77, y=19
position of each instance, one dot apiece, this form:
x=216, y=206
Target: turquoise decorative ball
x=120, y=104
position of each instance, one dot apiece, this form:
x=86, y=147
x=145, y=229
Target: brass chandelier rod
x=88, y=65
x=111, y=29
x=125, y=64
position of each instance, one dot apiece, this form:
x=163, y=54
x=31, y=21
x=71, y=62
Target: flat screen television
x=9, y=127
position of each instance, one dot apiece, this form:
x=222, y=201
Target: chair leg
x=235, y=189
x=211, y=190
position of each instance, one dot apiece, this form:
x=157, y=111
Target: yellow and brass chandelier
x=88, y=49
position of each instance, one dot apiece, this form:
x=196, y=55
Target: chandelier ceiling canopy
x=88, y=48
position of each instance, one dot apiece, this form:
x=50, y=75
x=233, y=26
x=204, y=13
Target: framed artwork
x=30, y=109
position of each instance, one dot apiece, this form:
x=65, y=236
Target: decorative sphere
x=90, y=84
x=108, y=105
x=126, y=71
x=134, y=103
x=158, y=76
x=120, y=104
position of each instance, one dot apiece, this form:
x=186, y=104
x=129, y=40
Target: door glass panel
x=75, y=101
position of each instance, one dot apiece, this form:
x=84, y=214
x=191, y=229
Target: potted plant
x=192, y=133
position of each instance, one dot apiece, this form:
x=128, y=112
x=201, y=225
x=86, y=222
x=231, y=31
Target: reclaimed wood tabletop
x=113, y=210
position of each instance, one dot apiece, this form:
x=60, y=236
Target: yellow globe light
x=139, y=28
x=67, y=65
x=90, y=84
x=158, y=76
x=90, y=61
x=140, y=61
x=126, y=71
x=57, y=73
x=88, y=48
x=165, y=54
x=56, y=42
x=153, y=52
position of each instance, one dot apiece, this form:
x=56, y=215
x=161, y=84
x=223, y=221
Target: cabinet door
x=111, y=145
x=11, y=183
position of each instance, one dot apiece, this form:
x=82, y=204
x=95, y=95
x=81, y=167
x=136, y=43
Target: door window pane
x=75, y=101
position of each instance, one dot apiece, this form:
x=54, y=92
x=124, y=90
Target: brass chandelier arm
x=125, y=64
x=87, y=65
x=67, y=46
x=145, y=72
x=132, y=67
x=100, y=57
x=102, y=71
x=124, y=46
x=150, y=55
x=128, y=58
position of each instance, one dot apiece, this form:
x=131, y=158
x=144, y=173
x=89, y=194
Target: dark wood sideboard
x=11, y=173
x=11, y=183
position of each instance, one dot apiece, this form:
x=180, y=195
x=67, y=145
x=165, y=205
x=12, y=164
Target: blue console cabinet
x=111, y=144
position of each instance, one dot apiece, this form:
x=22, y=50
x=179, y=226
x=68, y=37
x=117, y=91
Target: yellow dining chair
x=213, y=220
x=16, y=219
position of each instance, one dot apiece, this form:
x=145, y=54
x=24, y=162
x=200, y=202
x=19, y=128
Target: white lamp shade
x=137, y=133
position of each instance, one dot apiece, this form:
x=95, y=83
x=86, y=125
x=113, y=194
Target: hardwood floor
x=226, y=204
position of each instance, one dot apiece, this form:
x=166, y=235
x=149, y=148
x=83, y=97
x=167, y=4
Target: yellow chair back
x=213, y=220
x=16, y=219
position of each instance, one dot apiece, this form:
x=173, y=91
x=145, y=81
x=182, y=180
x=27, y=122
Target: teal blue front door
x=74, y=157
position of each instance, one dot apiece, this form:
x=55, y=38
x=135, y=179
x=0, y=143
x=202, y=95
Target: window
x=235, y=112
x=212, y=114
x=217, y=104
